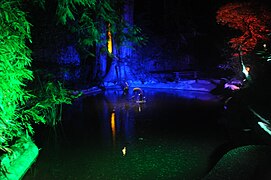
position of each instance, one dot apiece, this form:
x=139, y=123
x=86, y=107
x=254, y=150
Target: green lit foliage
x=264, y=55
x=20, y=106
x=82, y=17
x=14, y=60
x=88, y=19
x=46, y=106
x=50, y=95
x=264, y=51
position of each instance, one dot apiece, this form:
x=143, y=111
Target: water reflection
x=113, y=127
x=122, y=117
x=101, y=130
x=110, y=118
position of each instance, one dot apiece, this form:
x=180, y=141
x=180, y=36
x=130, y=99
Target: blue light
x=69, y=56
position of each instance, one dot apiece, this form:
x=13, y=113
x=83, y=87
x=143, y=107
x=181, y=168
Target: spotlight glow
x=109, y=42
x=113, y=126
x=259, y=116
x=265, y=127
x=124, y=151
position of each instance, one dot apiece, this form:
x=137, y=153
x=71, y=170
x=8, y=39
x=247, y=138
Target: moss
x=16, y=164
x=243, y=162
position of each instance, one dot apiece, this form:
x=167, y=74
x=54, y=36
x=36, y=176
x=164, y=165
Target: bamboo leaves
x=14, y=60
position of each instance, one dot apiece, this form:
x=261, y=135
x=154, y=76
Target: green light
x=265, y=127
x=19, y=162
x=15, y=58
x=240, y=163
x=259, y=116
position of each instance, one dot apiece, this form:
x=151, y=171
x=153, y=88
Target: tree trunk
x=119, y=70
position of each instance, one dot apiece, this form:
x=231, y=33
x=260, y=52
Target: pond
x=175, y=134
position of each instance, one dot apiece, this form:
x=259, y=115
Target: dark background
x=185, y=28
x=188, y=26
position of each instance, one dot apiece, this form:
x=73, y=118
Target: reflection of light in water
x=139, y=108
x=113, y=126
x=124, y=151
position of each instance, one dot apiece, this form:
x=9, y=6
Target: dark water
x=173, y=135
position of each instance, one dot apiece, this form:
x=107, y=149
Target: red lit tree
x=253, y=21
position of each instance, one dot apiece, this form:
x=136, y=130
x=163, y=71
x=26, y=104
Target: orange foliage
x=251, y=21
